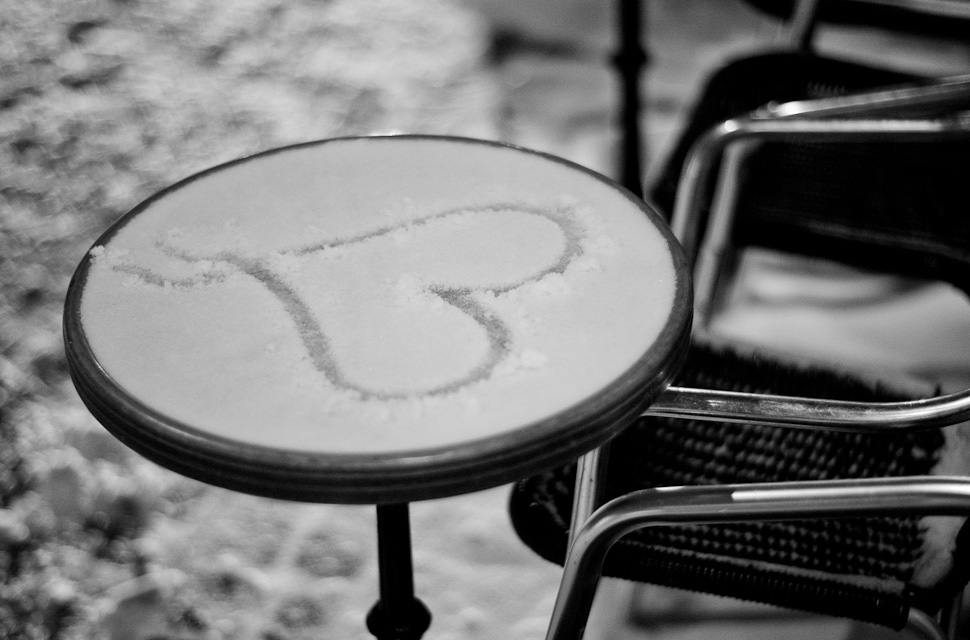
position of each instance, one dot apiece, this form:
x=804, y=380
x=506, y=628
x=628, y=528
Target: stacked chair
x=787, y=482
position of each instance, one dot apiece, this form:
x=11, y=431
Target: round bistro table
x=378, y=320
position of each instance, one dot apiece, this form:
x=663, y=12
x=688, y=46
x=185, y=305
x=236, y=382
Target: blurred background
x=103, y=102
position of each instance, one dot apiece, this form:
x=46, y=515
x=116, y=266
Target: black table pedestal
x=398, y=615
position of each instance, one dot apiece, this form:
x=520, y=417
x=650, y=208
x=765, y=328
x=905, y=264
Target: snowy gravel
x=102, y=103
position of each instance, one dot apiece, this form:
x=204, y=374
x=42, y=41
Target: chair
x=775, y=541
x=810, y=565
x=794, y=70
x=944, y=18
x=871, y=180
x=831, y=175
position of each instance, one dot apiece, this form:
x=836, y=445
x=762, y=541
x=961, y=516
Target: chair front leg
x=926, y=627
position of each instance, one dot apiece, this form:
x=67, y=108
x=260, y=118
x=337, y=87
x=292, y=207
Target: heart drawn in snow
x=467, y=297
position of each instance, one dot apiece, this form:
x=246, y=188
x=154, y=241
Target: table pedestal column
x=398, y=615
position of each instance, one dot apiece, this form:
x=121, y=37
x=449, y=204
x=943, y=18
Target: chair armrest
x=705, y=156
x=732, y=503
x=863, y=117
x=726, y=147
x=812, y=413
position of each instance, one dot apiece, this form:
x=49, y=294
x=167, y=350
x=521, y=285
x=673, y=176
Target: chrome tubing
x=733, y=503
x=706, y=152
x=812, y=413
x=590, y=482
x=944, y=8
x=925, y=626
x=777, y=410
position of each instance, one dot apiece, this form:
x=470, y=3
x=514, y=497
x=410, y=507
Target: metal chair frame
x=828, y=120
x=746, y=502
x=942, y=8
x=804, y=18
x=594, y=530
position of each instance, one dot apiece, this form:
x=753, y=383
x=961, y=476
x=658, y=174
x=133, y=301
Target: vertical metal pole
x=398, y=615
x=629, y=60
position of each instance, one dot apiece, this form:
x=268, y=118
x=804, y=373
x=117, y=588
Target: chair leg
x=801, y=26
x=732, y=503
x=953, y=616
x=588, y=494
x=925, y=626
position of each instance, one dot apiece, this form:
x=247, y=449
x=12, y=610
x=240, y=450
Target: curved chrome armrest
x=944, y=8
x=706, y=152
x=812, y=413
x=835, y=119
x=733, y=503
x=857, y=117
x=777, y=411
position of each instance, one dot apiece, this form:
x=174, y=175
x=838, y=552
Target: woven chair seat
x=866, y=569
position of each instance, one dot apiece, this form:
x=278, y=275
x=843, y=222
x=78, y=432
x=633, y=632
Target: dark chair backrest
x=933, y=18
x=747, y=83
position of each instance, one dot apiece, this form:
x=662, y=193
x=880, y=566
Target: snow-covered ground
x=102, y=103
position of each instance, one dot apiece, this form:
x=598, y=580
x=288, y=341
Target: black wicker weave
x=879, y=206
x=853, y=568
